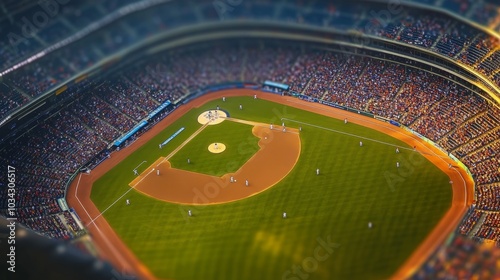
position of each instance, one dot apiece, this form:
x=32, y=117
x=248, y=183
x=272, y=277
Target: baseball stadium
x=233, y=139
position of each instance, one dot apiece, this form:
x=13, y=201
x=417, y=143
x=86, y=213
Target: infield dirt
x=278, y=153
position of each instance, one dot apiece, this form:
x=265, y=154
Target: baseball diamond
x=226, y=215
x=276, y=157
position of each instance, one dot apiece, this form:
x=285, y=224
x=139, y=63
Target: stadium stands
x=441, y=34
x=462, y=258
x=75, y=15
x=458, y=120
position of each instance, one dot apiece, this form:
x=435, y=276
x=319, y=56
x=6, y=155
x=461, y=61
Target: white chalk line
x=108, y=243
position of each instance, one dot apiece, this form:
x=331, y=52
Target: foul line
x=100, y=214
x=259, y=124
x=348, y=134
x=108, y=243
x=432, y=153
x=151, y=170
x=76, y=195
x=185, y=142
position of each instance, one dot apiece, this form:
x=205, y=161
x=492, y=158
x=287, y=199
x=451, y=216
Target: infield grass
x=240, y=143
x=249, y=239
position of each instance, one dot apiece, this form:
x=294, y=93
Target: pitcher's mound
x=212, y=117
x=216, y=148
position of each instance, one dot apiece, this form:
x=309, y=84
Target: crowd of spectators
x=35, y=79
x=345, y=79
x=421, y=88
x=473, y=217
x=123, y=104
x=378, y=84
x=479, y=125
x=70, y=222
x=482, y=12
x=486, y=171
x=102, y=129
x=489, y=229
x=444, y=35
x=24, y=35
x=430, y=30
x=144, y=101
x=478, y=142
x=77, y=15
x=496, y=77
x=51, y=226
x=110, y=114
x=478, y=48
x=276, y=63
x=63, y=142
x=490, y=63
x=457, y=106
x=488, y=197
x=10, y=99
x=156, y=85
x=422, y=30
x=462, y=258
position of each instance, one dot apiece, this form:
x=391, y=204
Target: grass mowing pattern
x=248, y=239
x=240, y=143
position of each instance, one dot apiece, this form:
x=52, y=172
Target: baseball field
x=355, y=207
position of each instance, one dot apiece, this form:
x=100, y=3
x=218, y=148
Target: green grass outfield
x=248, y=239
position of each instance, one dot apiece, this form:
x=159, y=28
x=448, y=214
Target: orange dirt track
x=276, y=157
x=111, y=247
